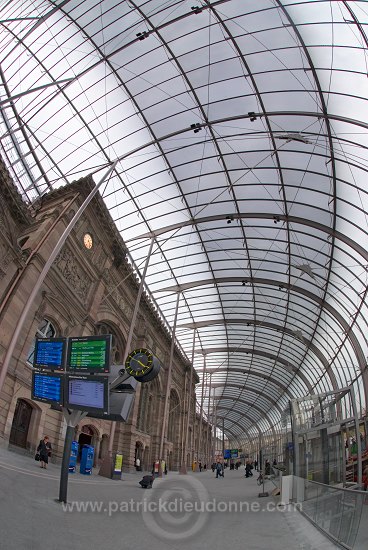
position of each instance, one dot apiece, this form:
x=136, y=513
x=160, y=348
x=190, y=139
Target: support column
x=208, y=420
x=358, y=441
x=214, y=436
x=184, y=410
x=223, y=436
x=199, y=446
x=168, y=385
x=183, y=467
x=130, y=335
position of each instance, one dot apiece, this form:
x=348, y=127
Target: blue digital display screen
x=47, y=387
x=50, y=353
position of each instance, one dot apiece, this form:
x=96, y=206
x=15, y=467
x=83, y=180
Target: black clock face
x=139, y=362
x=142, y=365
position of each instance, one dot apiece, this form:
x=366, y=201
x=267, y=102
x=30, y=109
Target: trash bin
x=73, y=457
x=86, y=464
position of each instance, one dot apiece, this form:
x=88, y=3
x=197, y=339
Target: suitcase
x=146, y=482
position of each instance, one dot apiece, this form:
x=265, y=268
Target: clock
x=88, y=241
x=142, y=365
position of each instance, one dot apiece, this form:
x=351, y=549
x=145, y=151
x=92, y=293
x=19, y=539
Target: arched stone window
x=148, y=405
x=117, y=346
x=174, y=417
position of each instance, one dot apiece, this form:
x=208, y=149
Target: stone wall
x=85, y=291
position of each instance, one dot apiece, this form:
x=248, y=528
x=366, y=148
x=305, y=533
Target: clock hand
x=140, y=362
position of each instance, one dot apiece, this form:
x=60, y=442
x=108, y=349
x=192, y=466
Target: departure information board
x=89, y=354
x=47, y=387
x=49, y=353
x=88, y=393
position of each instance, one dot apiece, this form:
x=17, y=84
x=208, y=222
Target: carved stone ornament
x=60, y=306
x=72, y=272
x=113, y=292
x=6, y=257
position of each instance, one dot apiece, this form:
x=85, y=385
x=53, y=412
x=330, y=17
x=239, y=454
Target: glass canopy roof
x=241, y=133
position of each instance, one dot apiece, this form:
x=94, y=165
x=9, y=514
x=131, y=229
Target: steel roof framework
x=241, y=133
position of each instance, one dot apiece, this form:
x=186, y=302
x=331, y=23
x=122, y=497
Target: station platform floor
x=190, y=512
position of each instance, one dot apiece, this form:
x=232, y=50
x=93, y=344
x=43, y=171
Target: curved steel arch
x=308, y=343
x=240, y=400
x=252, y=421
x=262, y=413
x=256, y=374
x=299, y=290
x=242, y=429
x=261, y=353
x=258, y=216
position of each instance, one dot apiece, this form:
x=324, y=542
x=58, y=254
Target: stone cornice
x=10, y=195
x=84, y=186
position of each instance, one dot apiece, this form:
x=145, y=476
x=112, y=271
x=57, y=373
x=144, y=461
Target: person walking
x=44, y=448
x=248, y=469
x=219, y=470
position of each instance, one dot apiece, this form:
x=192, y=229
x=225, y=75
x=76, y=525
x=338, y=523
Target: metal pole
x=131, y=330
x=72, y=418
x=201, y=410
x=183, y=469
x=214, y=437
x=184, y=412
x=208, y=423
x=64, y=473
x=168, y=386
x=42, y=275
x=358, y=441
x=223, y=437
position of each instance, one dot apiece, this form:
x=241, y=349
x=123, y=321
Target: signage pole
x=72, y=418
x=64, y=473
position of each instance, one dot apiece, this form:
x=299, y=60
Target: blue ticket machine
x=87, y=460
x=73, y=457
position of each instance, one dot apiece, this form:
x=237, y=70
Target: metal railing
x=341, y=513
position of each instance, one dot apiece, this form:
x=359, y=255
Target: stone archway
x=89, y=435
x=138, y=454
x=20, y=428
